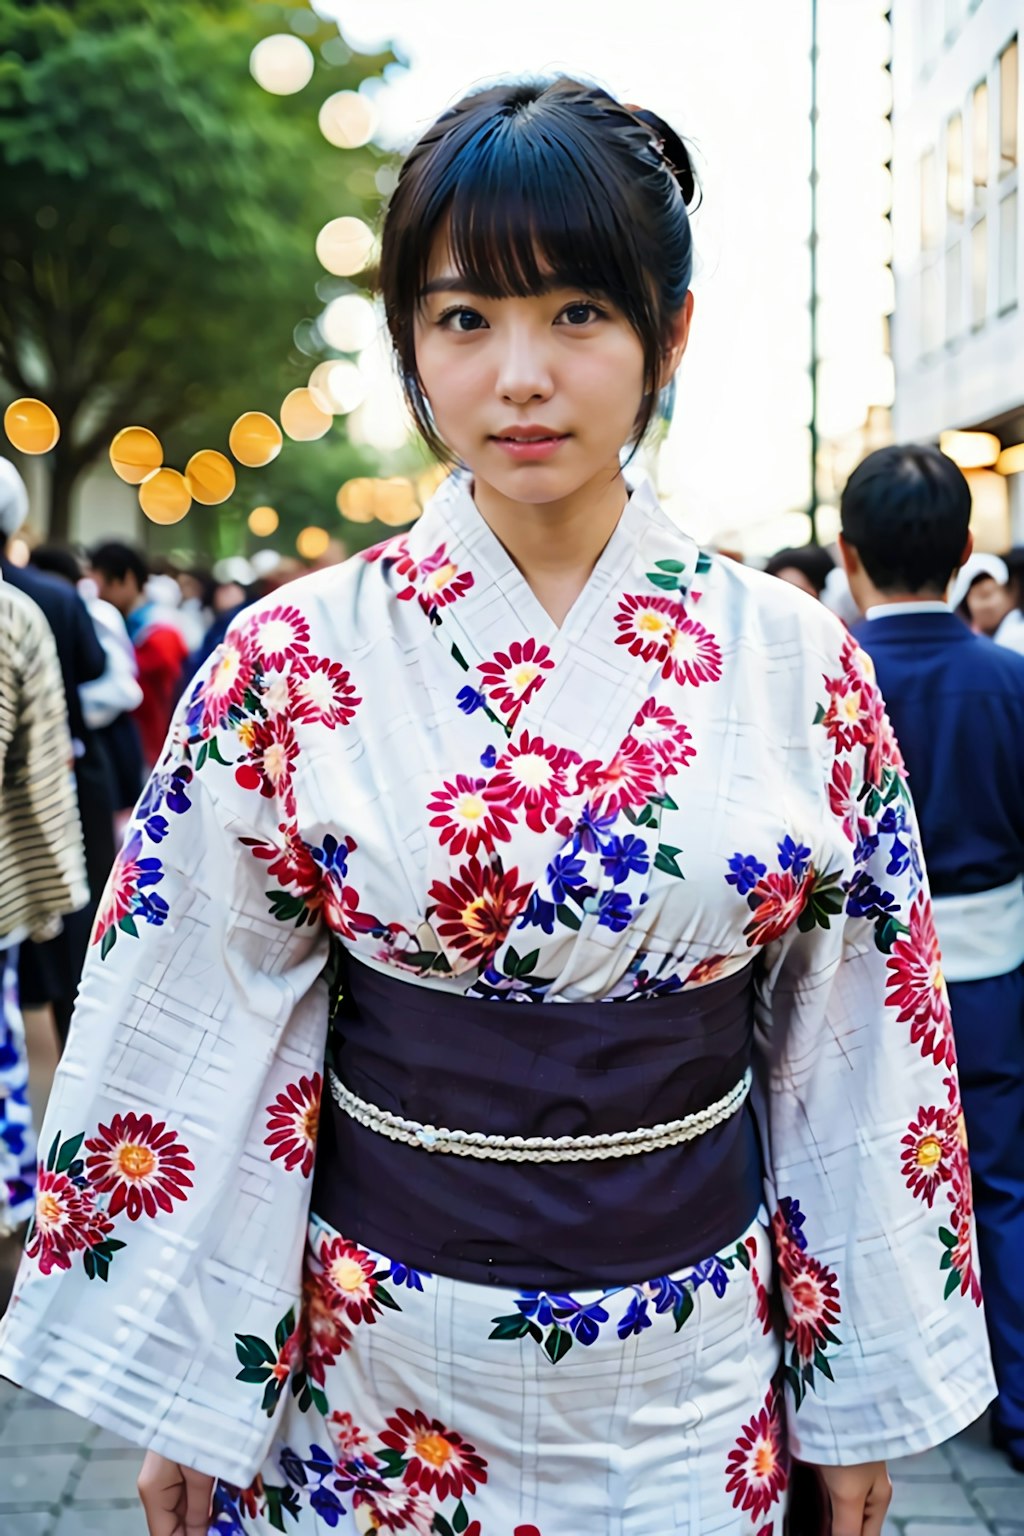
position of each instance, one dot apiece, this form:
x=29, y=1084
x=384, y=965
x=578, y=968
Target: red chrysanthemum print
x=292, y=1120
x=66, y=1221
x=916, y=986
x=694, y=655
x=708, y=969
x=476, y=909
x=289, y=862
x=758, y=1472
x=326, y=1333
x=121, y=888
x=928, y=1148
x=338, y=904
x=347, y=1275
x=321, y=691
x=813, y=1302
x=440, y=581
x=842, y=797
x=439, y=1460
x=531, y=775
x=511, y=678
x=272, y=752
x=391, y=1506
x=348, y=1439
x=776, y=902
x=883, y=752
x=850, y=716
x=656, y=726
x=466, y=818
x=962, y=1222
x=646, y=625
x=279, y=634
x=631, y=777
x=140, y=1164
x=226, y=683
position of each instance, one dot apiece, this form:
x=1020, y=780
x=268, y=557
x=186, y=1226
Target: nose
x=524, y=367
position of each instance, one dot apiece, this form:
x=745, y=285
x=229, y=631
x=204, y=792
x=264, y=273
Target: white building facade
x=958, y=258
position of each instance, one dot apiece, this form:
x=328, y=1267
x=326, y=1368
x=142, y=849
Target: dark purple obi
x=539, y=1069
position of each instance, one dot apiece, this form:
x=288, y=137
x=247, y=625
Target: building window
x=1008, y=77
x=929, y=201
x=931, y=308
x=955, y=167
x=954, y=290
x=1008, y=251
x=979, y=138
x=979, y=272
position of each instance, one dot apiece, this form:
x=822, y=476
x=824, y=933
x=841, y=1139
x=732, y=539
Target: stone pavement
x=62, y=1477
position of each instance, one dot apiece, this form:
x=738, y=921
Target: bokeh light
x=970, y=450
x=282, y=64
x=345, y=246
x=356, y=500
x=211, y=477
x=302, y=418
x=312, y=543
x=263, y=521
x=165, y=497
x=31, y=426
x=337, y=386
x=391, y=501
x=135, y=453
x=348, y=120
x=349, y=323
x=255, y=439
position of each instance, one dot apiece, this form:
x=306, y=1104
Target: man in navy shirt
x=956, y=702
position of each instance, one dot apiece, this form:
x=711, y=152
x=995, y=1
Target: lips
x=529, y=435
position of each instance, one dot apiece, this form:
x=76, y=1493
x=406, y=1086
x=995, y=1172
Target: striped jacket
x=42, y=864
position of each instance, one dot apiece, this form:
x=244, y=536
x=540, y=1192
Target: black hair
x=120, y=560
x=906, y=510
x=542, y=185
x=809, y=559
x=58, y=560
x=1014, y=562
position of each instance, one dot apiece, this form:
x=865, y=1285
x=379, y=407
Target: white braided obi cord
x=539, y=1149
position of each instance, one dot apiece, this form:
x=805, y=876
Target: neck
x=894, y=599
x=556, y=544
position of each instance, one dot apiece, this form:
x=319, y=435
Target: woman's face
x=536, y=395
x=988, y=603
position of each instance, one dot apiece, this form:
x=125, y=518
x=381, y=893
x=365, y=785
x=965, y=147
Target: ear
x=850, y=557
x=968, y=550
x=678, y=339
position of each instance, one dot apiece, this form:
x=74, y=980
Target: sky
x=733, y=77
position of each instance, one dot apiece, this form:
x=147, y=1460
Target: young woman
x=551, y=832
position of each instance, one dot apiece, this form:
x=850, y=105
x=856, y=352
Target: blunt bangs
x=537, y=187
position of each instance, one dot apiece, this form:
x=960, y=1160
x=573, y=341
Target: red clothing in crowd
x=160, y=650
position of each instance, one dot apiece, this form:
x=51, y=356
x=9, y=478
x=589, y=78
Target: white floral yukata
x=695, y=770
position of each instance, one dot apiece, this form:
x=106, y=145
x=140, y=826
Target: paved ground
x=62, y=1477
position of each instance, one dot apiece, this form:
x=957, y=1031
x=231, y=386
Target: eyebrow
x=457, y=283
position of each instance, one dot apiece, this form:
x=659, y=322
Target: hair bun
x=672, y=150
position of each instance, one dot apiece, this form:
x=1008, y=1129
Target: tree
x=159, y=216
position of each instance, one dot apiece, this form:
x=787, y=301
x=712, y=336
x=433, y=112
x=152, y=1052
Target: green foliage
x=160, y=212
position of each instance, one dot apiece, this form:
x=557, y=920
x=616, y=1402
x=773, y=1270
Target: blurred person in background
x=807, y=567
x=42, y=862
x=197, y=587
x=50, y=971
x=109, y=702
x=988, y=595
x=121, y=575
x=957, y=705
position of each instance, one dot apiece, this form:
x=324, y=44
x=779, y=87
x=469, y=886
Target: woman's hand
x=176, y=1499
x=859, y=1497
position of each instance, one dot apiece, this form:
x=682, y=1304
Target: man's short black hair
x=906, y=510
x=117, y=560
x=809, y=559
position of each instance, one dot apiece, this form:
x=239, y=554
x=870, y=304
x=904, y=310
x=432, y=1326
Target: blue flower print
x=538, y=913
x=744, y=872
x=635, y=1318
x=327, y=1505
x=625, y=856
x=592, y=832
x=488, y=757
x=793, y=856
x=402, y=1274
x=543, y=1306
x=565, y=874
x=614, y=910
x=793, y=1219
x=713, y=1272
x=333, y=856
x=586, y=1324
x=470, y=700
x=866, y=899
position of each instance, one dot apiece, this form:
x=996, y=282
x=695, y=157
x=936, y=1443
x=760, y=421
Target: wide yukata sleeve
x=159, y=1288
x=885, y=1349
